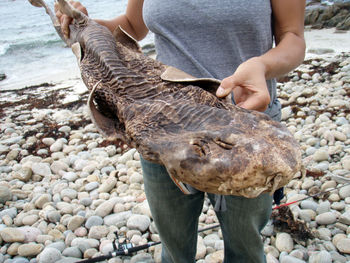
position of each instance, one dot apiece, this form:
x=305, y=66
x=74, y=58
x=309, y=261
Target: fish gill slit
x=223, y=144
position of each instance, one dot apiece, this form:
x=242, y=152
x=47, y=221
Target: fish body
x=175, y=119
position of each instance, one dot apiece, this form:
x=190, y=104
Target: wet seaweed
x=284, y=221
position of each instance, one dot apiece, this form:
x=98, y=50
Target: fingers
x=255, y=102
x=248, y=84
x=252, y=96
x=225, y=87
x=78, y=6
x=65, y=20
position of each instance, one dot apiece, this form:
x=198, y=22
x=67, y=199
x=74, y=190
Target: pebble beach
x=65, y=190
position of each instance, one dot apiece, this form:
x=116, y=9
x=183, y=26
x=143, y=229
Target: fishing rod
x=311, y=196
x=126, y=248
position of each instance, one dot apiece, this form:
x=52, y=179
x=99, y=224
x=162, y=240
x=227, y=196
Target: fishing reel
x=123, y=246
x=120, y=248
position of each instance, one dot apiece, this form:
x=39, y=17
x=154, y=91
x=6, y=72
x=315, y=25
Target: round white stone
x=284, y=242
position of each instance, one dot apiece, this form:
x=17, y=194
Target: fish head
x=229, y=163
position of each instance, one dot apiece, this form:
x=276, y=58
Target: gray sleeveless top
x=207, y=38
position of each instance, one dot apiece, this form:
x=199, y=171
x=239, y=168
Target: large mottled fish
x=174, y=119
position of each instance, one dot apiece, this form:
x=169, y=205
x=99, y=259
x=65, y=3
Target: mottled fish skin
x=202, y=140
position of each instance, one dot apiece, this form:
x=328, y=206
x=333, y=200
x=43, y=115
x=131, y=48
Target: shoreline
x=319, y=43
x=328, y=42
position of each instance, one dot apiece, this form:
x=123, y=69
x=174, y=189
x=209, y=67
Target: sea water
x=31, y=52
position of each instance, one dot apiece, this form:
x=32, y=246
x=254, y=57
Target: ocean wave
x=16, y=28
x=331, y=2
x=10, y=48
x=4, y=48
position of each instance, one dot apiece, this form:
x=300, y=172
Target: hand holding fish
x=66, y=20
x=248, y=85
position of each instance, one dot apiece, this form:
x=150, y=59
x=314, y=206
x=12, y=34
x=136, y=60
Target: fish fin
x=126, y=39
x=176, y=75
x=67, y=9
x=173, y=74
x=76, y=48
x=106, y=126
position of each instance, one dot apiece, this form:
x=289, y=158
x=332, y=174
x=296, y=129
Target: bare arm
x=131, y=21
x=248, y=83
x=288, y=19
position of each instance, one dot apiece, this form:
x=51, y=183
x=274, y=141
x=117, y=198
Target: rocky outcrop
x=2, y=76
x=336, y=15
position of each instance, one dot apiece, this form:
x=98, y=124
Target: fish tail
x=67, y=9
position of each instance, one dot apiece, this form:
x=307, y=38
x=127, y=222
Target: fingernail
x=220, y=91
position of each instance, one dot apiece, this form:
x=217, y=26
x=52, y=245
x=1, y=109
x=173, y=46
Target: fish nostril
x=200, y=147
x=199, y=150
